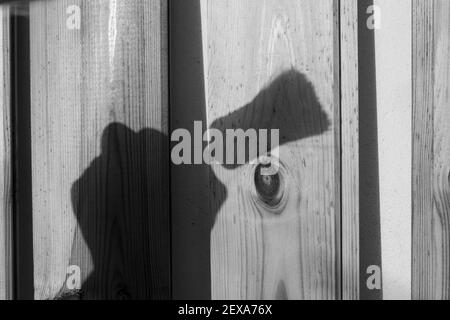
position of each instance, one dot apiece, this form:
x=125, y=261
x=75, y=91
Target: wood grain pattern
x=350, y=154
x=394, y=101
x=99, y=148
x=431, y=149
x=275, y=65
x=5, y=158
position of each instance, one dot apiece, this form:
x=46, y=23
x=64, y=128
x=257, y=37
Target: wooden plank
x=431, y=150
x=441, y=145
x=6, y=276
x=275, y=65
x=422, y=264
x=99, y=131
x=350, y=150
x=394, y=103
x=20, y=102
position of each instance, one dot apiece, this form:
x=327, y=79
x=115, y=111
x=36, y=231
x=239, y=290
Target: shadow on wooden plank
x=21, y=145
x=191, y=218
x=268, y=218
x=370, y=234
x=121, y=203
x=289, y=104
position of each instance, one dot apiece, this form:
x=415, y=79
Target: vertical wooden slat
x=6, y=276
x=350, y=150
x=431, y=149
x=99, y=147
x=422, y=267
x=274, y=65
x=394, y=95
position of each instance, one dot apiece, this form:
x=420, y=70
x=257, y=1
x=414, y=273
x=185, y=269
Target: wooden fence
x=258, y=66
x=87, y=181
x=431, y=79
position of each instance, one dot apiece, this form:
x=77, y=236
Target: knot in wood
x=269, y=186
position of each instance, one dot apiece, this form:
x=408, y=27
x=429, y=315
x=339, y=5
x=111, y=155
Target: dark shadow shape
x=121, y=203
x=289, y=104
x=369, y=193
x=193, y=186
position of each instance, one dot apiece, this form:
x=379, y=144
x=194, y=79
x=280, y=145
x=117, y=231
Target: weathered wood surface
x=431, y=149
x=99, y=148
x=393, y=52
x=6, y=245
x=275, y=65
x=350, y=150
